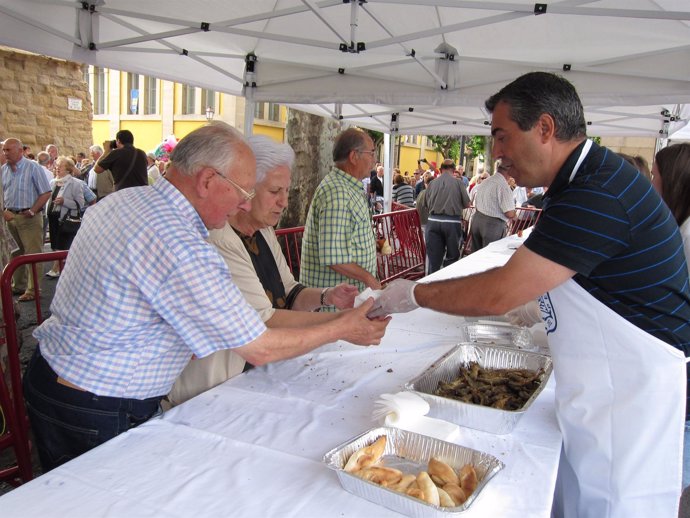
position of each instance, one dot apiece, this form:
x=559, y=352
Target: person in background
x=67, y=198
x=52, y=150
x=96, y=374
x=126, y=163
x=402, y=192
x=26, y=190
x=421, y=205
x=249, y=246
x=101, y=184
x=671, y=179
x=376, y=190
x=445, y=198
x=494, y=209
x=339, y=243
x=152, y=171
x=606, y=261
x=418, y=179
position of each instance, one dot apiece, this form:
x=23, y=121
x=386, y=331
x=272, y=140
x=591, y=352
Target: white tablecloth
x=253, y=446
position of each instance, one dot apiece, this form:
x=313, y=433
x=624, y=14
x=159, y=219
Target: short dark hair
x=536, y=93
x=125, y=136
x=448, y=164
x=673, y=164
x=349, y=140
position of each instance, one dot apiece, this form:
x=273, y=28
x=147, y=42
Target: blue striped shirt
x=22, y=187
x=613, y=229
x=141, y=291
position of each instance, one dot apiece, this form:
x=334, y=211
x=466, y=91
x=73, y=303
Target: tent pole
x=248, y=117
x=387, y=168
x=388, y=162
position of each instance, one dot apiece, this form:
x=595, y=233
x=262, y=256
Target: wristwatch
x=32, y=213
x=322, y=300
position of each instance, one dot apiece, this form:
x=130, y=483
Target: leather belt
x=17, y=211
x=63, y=381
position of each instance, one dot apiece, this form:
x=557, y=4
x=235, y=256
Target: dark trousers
x=67, y=422
x=443, y=242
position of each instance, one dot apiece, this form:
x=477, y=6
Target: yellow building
x=413, y=148
x=153, y=109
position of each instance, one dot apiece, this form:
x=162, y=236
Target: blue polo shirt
x=611, y=227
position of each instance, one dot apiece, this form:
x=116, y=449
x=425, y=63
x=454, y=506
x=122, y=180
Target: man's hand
x=398, y=297
x=526, y=315
x=7, y=215
x=342, y=296
x=359, y=329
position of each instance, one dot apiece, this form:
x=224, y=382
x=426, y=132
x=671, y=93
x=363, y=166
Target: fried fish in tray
x=479, y=387
x=505, y=389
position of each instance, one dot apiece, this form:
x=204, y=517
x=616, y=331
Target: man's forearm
x=40, y=202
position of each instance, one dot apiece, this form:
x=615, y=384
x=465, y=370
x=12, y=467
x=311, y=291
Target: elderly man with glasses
x=339, y=243
x=161, y=294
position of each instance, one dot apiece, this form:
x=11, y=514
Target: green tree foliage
x=447, y=145
x=475, y=146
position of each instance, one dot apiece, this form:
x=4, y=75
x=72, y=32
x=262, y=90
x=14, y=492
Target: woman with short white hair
x=249, y=245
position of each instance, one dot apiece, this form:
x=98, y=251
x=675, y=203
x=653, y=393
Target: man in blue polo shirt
x=606, y=260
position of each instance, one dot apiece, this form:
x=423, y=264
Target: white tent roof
x=433, y=62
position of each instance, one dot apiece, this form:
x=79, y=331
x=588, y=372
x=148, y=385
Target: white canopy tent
x=431, y=62
x=397, y=66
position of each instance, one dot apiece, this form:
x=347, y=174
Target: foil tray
x=474, y=416
x=410, y=452
x=519, y=337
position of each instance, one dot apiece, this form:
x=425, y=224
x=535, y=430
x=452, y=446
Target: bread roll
x=441, y=473
x=456, y=493
x=405, y=482
x=468, y=479
x=380, y=475
x=428, y=488
x=445, y=499
x=367, y=456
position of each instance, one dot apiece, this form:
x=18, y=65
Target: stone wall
x=34, y=102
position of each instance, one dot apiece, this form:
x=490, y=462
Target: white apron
x=620, y=404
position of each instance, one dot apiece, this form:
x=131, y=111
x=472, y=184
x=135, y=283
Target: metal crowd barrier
x=15, y=432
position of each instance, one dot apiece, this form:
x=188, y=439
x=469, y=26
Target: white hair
x=269, y=155
x=96, y=148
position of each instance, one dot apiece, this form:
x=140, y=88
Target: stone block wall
x=34, y=102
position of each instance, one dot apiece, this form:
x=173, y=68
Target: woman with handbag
x=64, y=209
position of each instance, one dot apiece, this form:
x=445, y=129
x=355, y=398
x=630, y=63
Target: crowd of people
x=195, y=289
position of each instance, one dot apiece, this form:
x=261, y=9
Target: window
x=267, y=111
x=150, y=95
x=98, y=95
x=188, y=100
x=133, y=93
x=208, y=99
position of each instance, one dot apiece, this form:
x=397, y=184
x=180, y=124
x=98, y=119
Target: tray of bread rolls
x=410, y=473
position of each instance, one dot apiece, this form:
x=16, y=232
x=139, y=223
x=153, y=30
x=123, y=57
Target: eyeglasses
x=372, y=151
x=248, y=196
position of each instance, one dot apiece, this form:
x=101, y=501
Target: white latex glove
x=397, y=297
x=526, y=315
